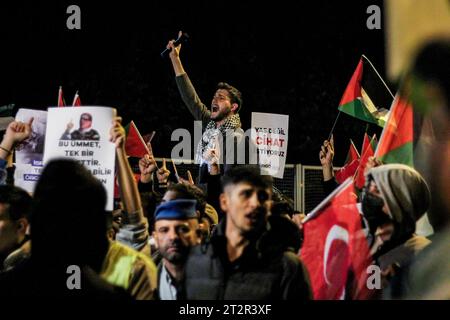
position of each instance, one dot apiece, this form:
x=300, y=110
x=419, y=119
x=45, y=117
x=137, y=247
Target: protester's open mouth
x=252, y=217
x=214, y=108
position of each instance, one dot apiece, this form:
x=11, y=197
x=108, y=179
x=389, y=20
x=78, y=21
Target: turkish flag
x=347, y=171
x=335, y=250
x=61, y=102
x=134, y=143
x=76, y=100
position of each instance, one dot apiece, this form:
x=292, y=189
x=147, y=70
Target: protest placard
x=87, y=141
x=30, y=153
x=270, y=135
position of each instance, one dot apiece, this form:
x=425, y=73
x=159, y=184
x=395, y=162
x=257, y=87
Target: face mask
x=372, y=207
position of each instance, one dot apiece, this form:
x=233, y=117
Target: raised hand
x=188, y=181
x=147, y=165
x=326, y=156
x=175, y=52
x=117, y=133
x=326, y=153
x=163, y=173
x=372, y=162
x=69, y=126
x=17, y=132
x=210, y=156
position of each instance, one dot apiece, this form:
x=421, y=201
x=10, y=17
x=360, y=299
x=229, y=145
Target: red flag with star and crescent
x=335, y=250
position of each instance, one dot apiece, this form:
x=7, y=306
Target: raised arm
x=127, y=184
x=326, y=156
x=134, y=231
x=185, y=87
x=15, y=133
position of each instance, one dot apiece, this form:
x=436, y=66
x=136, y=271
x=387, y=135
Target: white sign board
x=270, y=135
x=30, y=153
x=82, y=133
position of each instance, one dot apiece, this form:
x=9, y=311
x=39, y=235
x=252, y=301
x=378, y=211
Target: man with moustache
x=174, y=234
x=243, y=259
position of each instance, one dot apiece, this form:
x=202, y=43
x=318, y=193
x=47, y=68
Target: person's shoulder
x=145, y=260
x=291, y=260
x=201, y=253
x=201, y=249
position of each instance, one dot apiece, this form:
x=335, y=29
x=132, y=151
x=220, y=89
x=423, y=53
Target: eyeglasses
x=87, y=119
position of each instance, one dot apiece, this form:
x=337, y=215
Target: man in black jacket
x=242, y=260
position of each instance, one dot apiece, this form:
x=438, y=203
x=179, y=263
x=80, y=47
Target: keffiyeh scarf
x=211, y=135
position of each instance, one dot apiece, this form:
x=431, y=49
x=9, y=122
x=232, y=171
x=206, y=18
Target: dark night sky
x=289, y=57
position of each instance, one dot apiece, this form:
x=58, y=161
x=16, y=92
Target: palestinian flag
x=76, y=100
x=368, y=150
x=134, y=144
x=396, y=142
x=366, y=97
x=61, y=102
x=350, y=166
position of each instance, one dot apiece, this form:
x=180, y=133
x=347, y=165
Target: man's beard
x=221, y=115
x=178, y=257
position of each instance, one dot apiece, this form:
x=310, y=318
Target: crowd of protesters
x=231, y=235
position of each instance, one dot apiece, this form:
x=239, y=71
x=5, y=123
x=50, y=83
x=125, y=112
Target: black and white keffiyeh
x=211, y=135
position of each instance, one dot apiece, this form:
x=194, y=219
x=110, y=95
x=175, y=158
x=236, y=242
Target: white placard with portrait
x=82, y=133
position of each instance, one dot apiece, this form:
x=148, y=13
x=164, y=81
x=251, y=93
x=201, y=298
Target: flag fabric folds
x=335, y=250
x=61, y=102
x=366, y=96
x=76, y=100
x=350, y=166
x=396, y=142
x=134, y=144
x=368, y=150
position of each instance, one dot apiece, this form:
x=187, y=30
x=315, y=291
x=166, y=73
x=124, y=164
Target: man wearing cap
x=174, y=235
x=84, y=132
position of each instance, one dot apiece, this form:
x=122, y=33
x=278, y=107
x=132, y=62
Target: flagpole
x=334, y=125
x=384, y=83
x=74, y=98
x=385, y=128
x=313, y=214
x=351, y=141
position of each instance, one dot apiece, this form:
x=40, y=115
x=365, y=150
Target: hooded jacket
x=406, y=194
x=408, y=197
